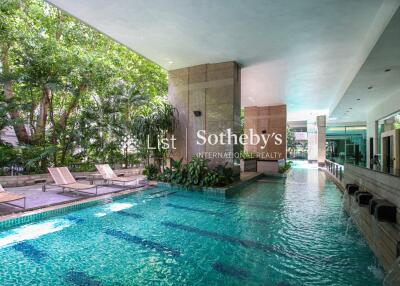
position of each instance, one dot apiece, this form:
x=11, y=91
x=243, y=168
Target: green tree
x=72, y=94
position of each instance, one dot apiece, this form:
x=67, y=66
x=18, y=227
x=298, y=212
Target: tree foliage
x=72, y=94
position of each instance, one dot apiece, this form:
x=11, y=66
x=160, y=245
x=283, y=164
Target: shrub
x=178, y=173
x=165, y=176
x=197, y=170
x=212, y=179
x=150, y=171
x=196, y=173
x=8, y=155
x=225, y=174
x=285, y=167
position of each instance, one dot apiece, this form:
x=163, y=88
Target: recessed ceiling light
x=388, y=70
x=370, y=87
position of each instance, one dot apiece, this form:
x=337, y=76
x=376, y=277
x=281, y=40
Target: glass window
x=346, y=144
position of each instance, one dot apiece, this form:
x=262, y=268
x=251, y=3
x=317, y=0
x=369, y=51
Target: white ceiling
x=304, y=53
x=378, y=78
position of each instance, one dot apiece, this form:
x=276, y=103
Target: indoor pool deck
x=36, y=198
x=274, y=232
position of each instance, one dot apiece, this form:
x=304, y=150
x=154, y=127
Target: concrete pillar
x=321, y=141
x=312, y=137
x=270, y=121
x=207, y=97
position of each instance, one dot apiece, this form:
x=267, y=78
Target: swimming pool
x=274, y=232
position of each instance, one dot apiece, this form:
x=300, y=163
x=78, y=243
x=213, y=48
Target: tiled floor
x=36, y=198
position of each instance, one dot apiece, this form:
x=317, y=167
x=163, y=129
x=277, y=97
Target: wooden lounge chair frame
x=7, y=197
x=109, y=176
x=63, y=178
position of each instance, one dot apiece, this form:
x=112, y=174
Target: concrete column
x=271, y=121
x=207, y=97
x=321, y=133
x=312, y=138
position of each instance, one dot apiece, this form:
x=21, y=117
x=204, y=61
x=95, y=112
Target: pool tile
x=143, y=242
x=230, y=202
x=194, y=209
x=129, y=214
x=74, y=219
x=231, y=271
x=80, y=278
x=223, y=237
x=155, y=193
x=30, y=252
x=283, y=283
x=258, y=221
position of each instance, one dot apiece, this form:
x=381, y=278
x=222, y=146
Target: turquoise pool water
x=274, y=232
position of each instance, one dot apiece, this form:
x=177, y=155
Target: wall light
x=197, y=113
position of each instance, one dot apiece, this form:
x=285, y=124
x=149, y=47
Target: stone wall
x=382, y=237
x=248, y=165
x=213, y=92
x=26, y=180
x=268, y=120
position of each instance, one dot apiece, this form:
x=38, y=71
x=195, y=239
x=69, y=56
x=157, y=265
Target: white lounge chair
x=7, y=197
x=109, y=176
x=63, y=178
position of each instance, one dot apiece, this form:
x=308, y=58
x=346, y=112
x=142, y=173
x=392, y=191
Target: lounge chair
x=7, y=197
x=109, y=176
x=63, y=178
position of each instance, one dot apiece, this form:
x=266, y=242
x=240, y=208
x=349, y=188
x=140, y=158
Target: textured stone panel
x=218, y=95
x=266, y=120
x=212, y=89
x=219, y=112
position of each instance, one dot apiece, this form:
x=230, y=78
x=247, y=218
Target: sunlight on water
x=376, y=271
x=100, y=214
x=119, y=207
x=115, y=207
x=32, y=231
x=297, y=164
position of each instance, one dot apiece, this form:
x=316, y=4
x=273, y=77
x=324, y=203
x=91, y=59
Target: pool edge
x=20, y=218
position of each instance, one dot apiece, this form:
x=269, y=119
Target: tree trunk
x=18, y=124
x=65, y=116
x=126, y=156
x=40, y=131
x=53, y=139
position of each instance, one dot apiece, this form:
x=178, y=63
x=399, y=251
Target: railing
x=335, y=169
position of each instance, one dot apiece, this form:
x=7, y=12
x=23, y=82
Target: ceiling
x=303, y=53
x=378, y=78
